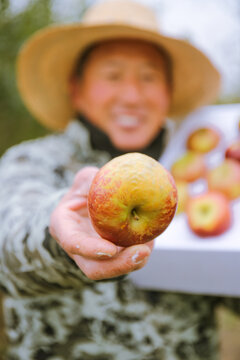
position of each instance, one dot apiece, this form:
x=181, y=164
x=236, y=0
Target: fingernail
x=103, y=254
x=137, y=258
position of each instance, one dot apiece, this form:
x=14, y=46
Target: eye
x=149, y=76
x=112, y=75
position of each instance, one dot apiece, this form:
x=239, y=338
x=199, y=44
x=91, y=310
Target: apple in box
x=233, y=151
x=132, y=199
x=209, y=214
x=203, y=139
x=189, y=167
x=183, y=196
x=225, y=178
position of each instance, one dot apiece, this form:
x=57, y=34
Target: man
x=109, y=83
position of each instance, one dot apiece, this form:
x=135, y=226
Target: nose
x=131, y=91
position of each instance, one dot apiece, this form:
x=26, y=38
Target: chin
x=128, y=143
x=127, y=147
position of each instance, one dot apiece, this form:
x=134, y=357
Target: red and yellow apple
x=132, y=199
x=183, y=195
x=209, y=214
x=233, y=151
x=225, y=178
x=189, y=167
x=203, y=139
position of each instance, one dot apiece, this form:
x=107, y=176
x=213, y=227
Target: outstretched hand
x=71, y=227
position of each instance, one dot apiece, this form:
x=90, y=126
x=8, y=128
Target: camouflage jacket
x=52, y=311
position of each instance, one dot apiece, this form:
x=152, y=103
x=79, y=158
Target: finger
x=76, y=236
x=76, y=203
x=150, y=244
x=81, y=184
x=128, y=260
x=82, y=239
x=90, y=247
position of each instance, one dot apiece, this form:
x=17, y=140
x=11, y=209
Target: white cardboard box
x=182, y=261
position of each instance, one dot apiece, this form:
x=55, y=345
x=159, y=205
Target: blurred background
x=211, y=25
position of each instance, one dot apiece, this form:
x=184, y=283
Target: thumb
x=76, y=197
x=83, y=180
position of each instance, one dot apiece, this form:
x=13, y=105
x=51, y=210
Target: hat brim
x=46, y=61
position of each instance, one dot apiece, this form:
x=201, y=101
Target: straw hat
x=46, y=61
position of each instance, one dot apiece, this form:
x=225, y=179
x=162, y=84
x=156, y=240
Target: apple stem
x=135, y=215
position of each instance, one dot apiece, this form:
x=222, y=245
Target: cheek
x=96, y=100
x=100, y=94
x=159, y=99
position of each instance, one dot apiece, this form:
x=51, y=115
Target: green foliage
x=16, y=123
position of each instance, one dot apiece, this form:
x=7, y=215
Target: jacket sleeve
x=32, y=181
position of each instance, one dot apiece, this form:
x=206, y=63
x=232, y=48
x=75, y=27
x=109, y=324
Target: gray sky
x=213, y=26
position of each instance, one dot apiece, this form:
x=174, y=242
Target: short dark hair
x=81, y=61
x=83, y=58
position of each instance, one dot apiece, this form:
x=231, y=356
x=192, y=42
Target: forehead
x=126, y=49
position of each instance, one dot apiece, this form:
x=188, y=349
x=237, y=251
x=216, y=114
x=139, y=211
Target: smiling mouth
x=127, y=121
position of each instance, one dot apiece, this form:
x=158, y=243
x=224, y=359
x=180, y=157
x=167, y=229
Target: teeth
x=127, y=121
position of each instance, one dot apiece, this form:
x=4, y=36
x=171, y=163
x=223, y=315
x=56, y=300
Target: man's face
x=124, y=92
